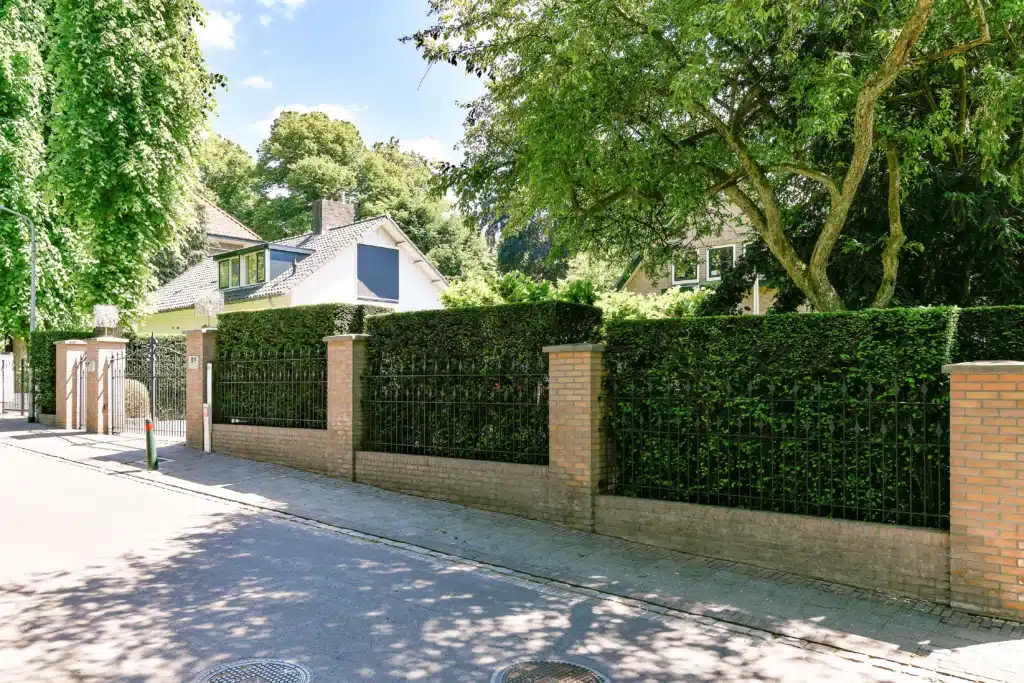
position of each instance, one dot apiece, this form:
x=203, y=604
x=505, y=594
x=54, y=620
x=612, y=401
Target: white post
x=207, y=417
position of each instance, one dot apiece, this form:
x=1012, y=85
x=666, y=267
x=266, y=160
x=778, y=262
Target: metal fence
x=271, y=389
x=869, y=453
x=15, y=386
x=148, y=380
x=457, y=408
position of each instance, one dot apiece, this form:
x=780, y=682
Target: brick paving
x=905, y=634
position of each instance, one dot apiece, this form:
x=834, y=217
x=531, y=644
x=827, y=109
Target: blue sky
x=338, y=56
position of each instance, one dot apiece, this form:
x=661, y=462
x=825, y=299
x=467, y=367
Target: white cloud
x=266, y=20
x=335, y=111
x=257, y=82
x=286, y=7
x=432, y=148
x=219, y=31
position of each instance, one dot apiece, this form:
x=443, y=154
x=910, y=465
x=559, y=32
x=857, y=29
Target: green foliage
x=468, y=383
x=672, y=303
x=300, y=328
x=634, y=126
x=840, y=415
x=228, y=176
x=42, y=355
x=130, y=96
x=189, y=247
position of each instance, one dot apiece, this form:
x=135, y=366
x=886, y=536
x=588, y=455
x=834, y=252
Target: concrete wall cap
x=109, y=340
x=347, y=337
x=205, y=330
x=985, y=366
x=574, y=348
x=70, y=341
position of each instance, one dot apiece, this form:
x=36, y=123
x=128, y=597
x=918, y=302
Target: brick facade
x=200, y=349
x=987, y=487
x=100, y=351
x=303, y=449
x=346, y=360
x=904, y=560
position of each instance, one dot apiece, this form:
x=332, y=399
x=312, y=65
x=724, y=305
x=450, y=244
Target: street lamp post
x=31, y=300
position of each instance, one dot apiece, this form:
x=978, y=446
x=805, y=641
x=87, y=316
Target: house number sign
x=193, y=362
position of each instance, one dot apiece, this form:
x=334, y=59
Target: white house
x=341, y=260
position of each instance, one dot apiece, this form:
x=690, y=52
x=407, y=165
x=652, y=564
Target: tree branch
x=818, y=176
x=983, y=39
x=894, y=243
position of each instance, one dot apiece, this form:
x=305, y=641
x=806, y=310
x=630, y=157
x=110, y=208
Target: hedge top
x=300, y=328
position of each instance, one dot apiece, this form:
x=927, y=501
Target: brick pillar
x=575, y=410
x=346, y=359
x=69, y=354
x=986, y=516
x=201, y=348
x=99, y=352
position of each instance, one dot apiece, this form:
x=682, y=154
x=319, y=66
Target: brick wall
x=903, y=560
x=523, y=490
x=303, y=449
x=987, y=487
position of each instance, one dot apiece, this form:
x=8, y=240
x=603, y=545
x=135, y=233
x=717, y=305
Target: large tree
x=23, y=99
x=131, y=93
x=637, y=123
x=228, y=175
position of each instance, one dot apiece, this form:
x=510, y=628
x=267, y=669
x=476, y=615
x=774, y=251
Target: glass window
x=224, y=269
x=684, y=268
x=720, y=258
x=377, y=272
x=236, y=271
x=255, y=268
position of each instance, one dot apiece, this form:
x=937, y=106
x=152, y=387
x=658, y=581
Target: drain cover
x=547, y=671
x=256, y=671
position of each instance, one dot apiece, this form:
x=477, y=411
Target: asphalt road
x=107, y=578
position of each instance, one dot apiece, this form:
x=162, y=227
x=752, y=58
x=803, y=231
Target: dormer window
x=243, y=269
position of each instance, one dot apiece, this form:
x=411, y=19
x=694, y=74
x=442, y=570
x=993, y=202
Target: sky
x=342, y=57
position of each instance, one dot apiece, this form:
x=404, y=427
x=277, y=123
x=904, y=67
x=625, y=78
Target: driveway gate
x=148, y=380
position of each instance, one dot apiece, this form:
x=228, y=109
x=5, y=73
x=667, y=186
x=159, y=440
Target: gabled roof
x=183, y=291
x=219, y=223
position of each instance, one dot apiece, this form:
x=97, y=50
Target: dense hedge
x=468, y=383
x=837, y=415
x=42, y=356
x=299, y=329
x=271, y=364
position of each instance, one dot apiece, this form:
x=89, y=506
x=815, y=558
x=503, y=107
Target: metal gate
x=15, y=396
x=81, y=377
x=148, y=380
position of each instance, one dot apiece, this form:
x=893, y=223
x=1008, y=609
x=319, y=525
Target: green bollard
x=152, y=460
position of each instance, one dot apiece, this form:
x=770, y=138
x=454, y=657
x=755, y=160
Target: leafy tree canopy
x=634, y=124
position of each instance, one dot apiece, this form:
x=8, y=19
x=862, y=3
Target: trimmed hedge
x=271, y=364
x=42, y=355
x=467, y=383
x=301, y=328
x=836, y=415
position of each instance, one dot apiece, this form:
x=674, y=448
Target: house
x=700, y=264
x=341, y=260
x=223, y=232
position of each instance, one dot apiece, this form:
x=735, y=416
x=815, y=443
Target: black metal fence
x=148, y=380
x=457, y=408
x=869, y=453
x=15, y=386
x=271, y=389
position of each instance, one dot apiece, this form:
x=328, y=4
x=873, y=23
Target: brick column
x=346, y=359
x=201, y=348
x=987, y=487
x=99, y=352
x=575, y=410
x=69, y=354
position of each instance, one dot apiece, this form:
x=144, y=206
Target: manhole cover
x=256, y=671
x=547, y=671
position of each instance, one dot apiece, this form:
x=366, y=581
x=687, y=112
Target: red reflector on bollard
x=149, y=426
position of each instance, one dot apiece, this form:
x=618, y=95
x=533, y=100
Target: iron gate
x=80, y=392
x=148, y=380
x=15, y=396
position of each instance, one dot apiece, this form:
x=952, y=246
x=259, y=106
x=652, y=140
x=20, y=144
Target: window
x=255, y=268
x=224, y=276
x=236, y=271
x=377, y=271
x=719, y=259
x=684, y=268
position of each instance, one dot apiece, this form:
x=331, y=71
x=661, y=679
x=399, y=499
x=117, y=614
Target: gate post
x=99, y=352
x=201, y=348
x=66, y=388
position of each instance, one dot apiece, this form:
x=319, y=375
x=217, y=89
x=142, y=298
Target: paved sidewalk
x=812, y=614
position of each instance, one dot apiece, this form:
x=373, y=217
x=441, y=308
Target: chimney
x=330, y=213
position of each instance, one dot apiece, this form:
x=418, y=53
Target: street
x=108, y=578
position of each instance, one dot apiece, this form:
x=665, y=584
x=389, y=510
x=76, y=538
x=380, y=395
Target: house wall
x=336, y=281
x=642, y=283
x=177, y=322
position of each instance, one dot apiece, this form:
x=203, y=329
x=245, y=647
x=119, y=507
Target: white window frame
x=707, y=260
x=243, y=270
x=693, y=281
